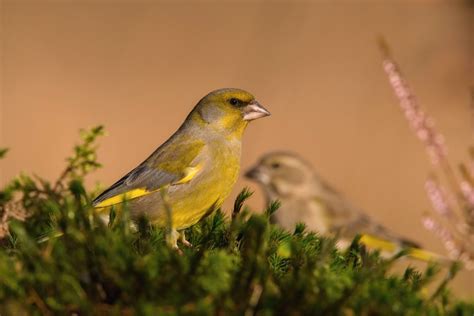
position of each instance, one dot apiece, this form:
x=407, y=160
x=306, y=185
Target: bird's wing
x=348, y=220
x=338, y=208
x=173, y=163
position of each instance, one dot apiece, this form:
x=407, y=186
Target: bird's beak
x=254, y=110
x=257, y=175
x=251, y=173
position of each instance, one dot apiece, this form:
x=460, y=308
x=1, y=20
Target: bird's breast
x=209, y=188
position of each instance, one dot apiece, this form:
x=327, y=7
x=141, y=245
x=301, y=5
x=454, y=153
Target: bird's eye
x=275, y=165
x=234, y=101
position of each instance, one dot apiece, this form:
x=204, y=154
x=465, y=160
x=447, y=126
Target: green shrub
x=58, y=257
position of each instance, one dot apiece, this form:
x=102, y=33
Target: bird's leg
x=172, y=238
x=182, y=239
x=172, y=234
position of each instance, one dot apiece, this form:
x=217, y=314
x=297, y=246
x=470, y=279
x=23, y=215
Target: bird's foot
x=178, y=250
x=172, y=238
x=182, y=239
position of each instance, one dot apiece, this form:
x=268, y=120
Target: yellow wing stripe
x=189, y=174
x=132, y=194
x=415, y=253
x=378, y=243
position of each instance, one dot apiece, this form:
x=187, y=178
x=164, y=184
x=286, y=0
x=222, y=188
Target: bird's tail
x=412, y=251
x=407, y=243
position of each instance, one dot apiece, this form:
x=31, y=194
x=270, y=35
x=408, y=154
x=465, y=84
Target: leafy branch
x=242, y=265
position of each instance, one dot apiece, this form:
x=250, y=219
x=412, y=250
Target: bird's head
x=228, y=110
x=282, y=174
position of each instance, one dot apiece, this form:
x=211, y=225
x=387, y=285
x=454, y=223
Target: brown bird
x=307, y=198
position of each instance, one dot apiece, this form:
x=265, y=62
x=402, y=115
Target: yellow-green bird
x=307, y=198
x=192, y=173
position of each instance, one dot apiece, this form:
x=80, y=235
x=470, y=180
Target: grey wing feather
x=338, y=206
x=141, y=177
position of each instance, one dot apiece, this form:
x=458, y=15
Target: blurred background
x=138, y=67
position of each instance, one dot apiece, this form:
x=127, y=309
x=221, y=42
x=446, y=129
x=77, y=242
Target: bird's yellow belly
x=204, y=194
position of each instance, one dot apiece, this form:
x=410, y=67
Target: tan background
x=139, y=67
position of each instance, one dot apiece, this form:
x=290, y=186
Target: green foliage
x=64, y=260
